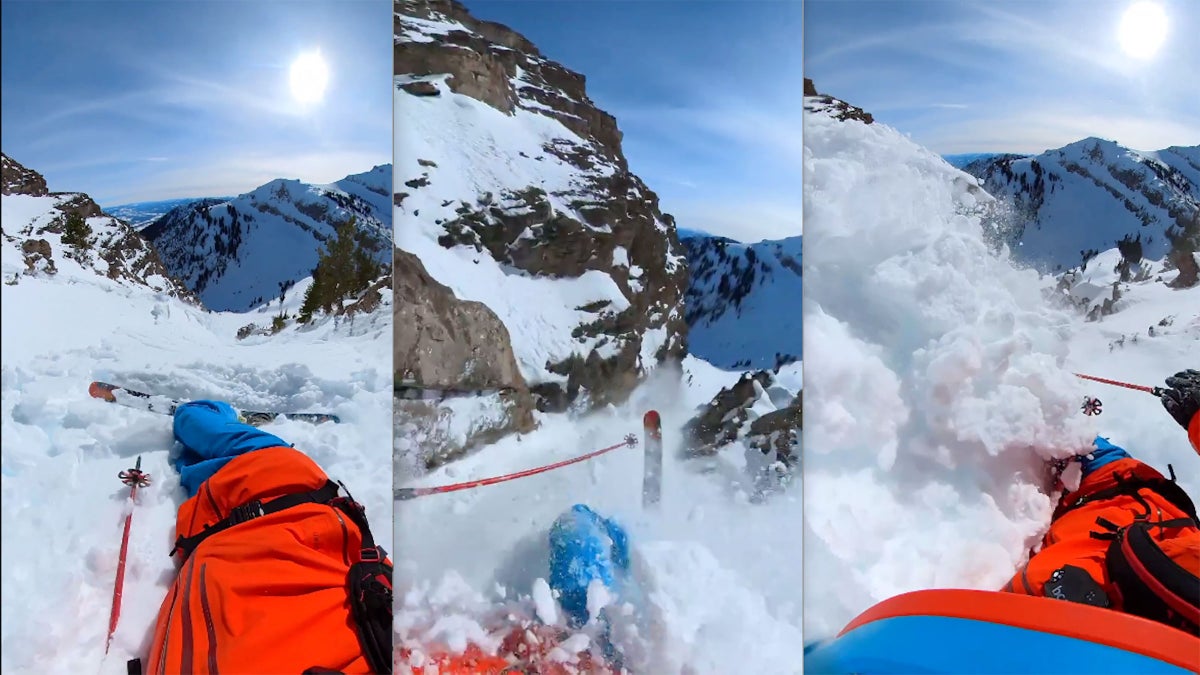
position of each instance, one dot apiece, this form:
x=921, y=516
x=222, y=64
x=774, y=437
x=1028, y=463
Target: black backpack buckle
x=245, y=512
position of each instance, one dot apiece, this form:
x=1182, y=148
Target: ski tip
x=102, y=390
x=318, y=418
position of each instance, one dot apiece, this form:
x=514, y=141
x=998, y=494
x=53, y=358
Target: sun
x=1143, y=29
x=309, y=77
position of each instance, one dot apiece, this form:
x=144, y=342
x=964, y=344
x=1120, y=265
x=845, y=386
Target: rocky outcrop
x=837, y=108
x=39, y=257
x=761, y=418
x=443, y=342
x=778, y=432
x=484, y=58
x=447, y=347
x=737, y=412
x=18, y=180
x=603, y=218
x=105, y=245
x=720, y=421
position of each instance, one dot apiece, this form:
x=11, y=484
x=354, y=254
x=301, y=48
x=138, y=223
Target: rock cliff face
x=17, y=180
x=444, y=348
x=512, y=190
x=38, y=223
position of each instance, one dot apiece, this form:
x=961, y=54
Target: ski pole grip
x=652, y=467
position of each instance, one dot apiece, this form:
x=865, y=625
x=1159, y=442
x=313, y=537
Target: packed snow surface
x=63, y=504
x=939, y=379
x=717, y=576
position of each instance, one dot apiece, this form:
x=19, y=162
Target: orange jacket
x=1194, y=432
x=1070, y=542
x=268, y=595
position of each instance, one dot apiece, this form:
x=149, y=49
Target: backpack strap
x=370, y=588
x=1167, y=489
x=256, y=509
x=1149, y=582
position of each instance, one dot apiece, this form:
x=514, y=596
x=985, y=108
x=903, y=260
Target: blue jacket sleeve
x=620, y=540
x=1104, y=453
x=212, y=435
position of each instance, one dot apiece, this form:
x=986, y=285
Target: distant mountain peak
x=237, y=253
x=1066, y=204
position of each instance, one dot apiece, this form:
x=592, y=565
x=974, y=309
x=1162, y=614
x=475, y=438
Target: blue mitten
x=1105, y=453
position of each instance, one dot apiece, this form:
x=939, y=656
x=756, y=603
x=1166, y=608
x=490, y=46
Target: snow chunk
x=543, y=598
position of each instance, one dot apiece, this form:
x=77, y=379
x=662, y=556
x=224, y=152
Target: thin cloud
x=241, y=173
x=1037, y=130
x=163, y=100
x=747, y=220
x=1020, y=77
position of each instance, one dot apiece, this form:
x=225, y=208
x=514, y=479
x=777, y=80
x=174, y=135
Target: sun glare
x=1143, y=29
x=309, y=76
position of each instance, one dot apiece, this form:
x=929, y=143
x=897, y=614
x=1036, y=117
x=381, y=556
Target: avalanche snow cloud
x=935, y=377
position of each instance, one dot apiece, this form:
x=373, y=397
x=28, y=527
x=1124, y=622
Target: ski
x=167, y=406
x=411, y=391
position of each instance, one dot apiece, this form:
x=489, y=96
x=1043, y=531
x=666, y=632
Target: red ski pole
x=134, y=478
x=1157, y=391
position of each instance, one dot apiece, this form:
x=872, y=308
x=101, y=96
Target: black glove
x=1181, y=397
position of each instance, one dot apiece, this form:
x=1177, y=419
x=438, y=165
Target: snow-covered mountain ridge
x=239, y=253
x=743, y=301
x=1064, y=206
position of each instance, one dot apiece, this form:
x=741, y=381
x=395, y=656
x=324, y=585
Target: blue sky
x=132, y=101
x=1014, y=76
x=706, y=92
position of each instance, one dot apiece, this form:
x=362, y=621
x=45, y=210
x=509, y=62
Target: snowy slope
x=239, y=253
x=1152, y=333
x=742, y=301
x=141, y=214
x=718, y=574
x=517, y=196
x=937, y=377
x=61, y=450
x=1086, y=196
